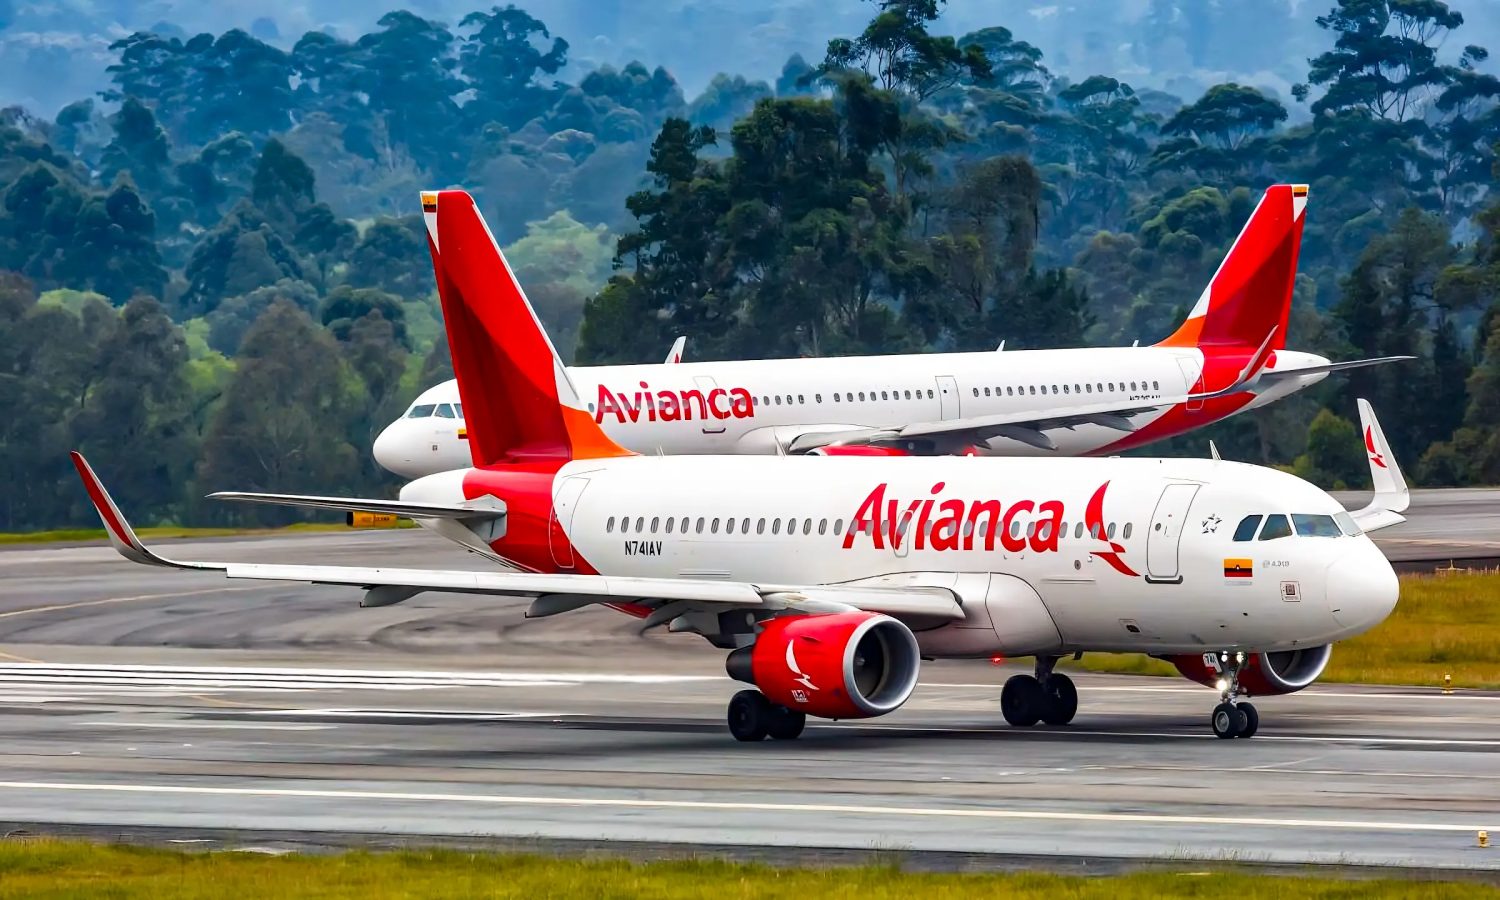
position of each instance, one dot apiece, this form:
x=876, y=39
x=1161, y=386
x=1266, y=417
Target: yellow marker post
x=1484, y=840
x=1447, y=683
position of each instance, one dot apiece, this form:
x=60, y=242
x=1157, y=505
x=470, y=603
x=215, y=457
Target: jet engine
x=851, y=665
x=1263, y=674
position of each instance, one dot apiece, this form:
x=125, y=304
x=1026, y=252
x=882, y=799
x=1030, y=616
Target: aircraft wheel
x=784, y=724
x=1021, y=701
x=1059, y=700
x=1252, y=720
x=749, y=716
x=1227, y=721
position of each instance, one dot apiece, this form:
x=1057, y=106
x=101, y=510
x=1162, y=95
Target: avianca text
x=673, y=406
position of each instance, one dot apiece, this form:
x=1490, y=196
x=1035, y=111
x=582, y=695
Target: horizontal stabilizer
x=1270, y=375
x=488, y=508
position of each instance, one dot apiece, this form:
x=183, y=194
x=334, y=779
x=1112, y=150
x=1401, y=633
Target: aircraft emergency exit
x=1227, y=357
x=827, y=581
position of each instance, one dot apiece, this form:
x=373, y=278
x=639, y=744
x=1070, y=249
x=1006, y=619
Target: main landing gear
x=1047, y=696
x=754, y=718
x=1233, y=718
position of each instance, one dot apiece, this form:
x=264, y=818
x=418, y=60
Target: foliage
x=221, y=255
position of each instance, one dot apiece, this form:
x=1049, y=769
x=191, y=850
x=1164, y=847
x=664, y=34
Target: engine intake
x=1264, y=674
x=852, y=665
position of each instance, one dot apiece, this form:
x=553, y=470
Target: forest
x=213, y=273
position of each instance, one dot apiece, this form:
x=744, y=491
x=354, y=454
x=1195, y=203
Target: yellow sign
x=370, y=520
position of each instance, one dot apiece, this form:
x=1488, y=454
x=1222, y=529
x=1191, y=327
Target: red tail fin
x=519, y=403
x=1250, y=297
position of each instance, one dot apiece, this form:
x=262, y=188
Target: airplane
x=1228, y=356
x=829, y=580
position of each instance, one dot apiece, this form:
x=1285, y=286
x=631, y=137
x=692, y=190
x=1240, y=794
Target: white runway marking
x=746, y=806
x=236, y=726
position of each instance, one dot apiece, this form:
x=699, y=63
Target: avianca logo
x=673, y=406
x=791, y=663
x=1376, y=456
x=953, y=524
x=1093, y=520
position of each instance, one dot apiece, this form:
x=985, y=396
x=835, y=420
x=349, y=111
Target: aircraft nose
x=1362, y=588
x=392, y=449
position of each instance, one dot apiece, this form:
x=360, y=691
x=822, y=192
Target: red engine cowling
x=1263, y=674
x=850, y=665
x=857, y=450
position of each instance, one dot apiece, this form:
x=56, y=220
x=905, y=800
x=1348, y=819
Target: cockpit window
x=1246, y=529
x=1347, y=524
x=421, y=411
x=1276, y=527
x=445, y=411
x=459, y=408
x=1309, y=525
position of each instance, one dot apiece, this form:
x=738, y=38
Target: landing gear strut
x=1047, y=696
x=754, y=718
x=1233, y=718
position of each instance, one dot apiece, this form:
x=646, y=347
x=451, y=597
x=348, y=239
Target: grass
x=1443, y=625
x=66, y=869
x=173, y=531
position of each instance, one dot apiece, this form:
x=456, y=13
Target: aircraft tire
x=1252, y=720
x=1059, y=700
x=1227, y=721
x=784, y=724
x=1021, y=701
x=749, y=716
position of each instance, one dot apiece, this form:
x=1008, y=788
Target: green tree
x=502, y=60
x=1334, y=459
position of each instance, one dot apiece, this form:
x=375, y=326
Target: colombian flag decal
x=463, y=434
x=1239, y=568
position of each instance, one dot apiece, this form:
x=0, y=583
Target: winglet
x=674, y=355
x=1390, y=485
x=1213, y=450
x=121, y=535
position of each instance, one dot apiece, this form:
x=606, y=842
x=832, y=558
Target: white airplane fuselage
x=1050, y=556
x=758, y=406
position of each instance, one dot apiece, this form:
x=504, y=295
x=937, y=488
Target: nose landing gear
x=1232, y=718
x=1047, y=696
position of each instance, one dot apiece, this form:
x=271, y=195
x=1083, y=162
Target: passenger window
x=861, y=396
x=1065, y=390
x=609, y=525
x=1015, y=528
x=822, y=526
x=1155, y=386
x=1276, y=527
x=1110, y=534
x=444, y=411
x=817, y=398
x=800, y=401
x=1126, y=533
x=884, y=395
x=1245, y=531
x=778, y=399
x=838, y=527
x=1111, y=387
x=713, y=527
x=807, y=526
x=744, y=526
x=1009, y=392
x=1076, y=390
x=765, y=401
x=421, y=412
x=835, y=397
x=640, y=524
x=976, y=391
x=1088, y=389
x=1078, y=531
x=1309, y=525
x=760, y=526
x=655, y=521
x=669, y=524
x=776, y=526
x=1132, y=385
x=930, y=394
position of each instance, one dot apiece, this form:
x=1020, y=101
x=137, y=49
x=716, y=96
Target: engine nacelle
x=857, y=450
x=851, y=665
x=1263, y=674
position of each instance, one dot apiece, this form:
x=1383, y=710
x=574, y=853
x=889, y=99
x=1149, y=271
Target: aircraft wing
x=665, y=599
x=488, y=508
x=1278, y=374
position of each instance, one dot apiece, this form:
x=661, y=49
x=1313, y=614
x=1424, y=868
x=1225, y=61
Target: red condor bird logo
x=1376, y=456
x=1093, y=520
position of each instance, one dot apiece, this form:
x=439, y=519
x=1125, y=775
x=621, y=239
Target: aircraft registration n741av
x=1227, y=357
x=829, y=579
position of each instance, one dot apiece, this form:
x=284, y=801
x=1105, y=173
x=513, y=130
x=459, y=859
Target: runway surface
x=137, y=698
